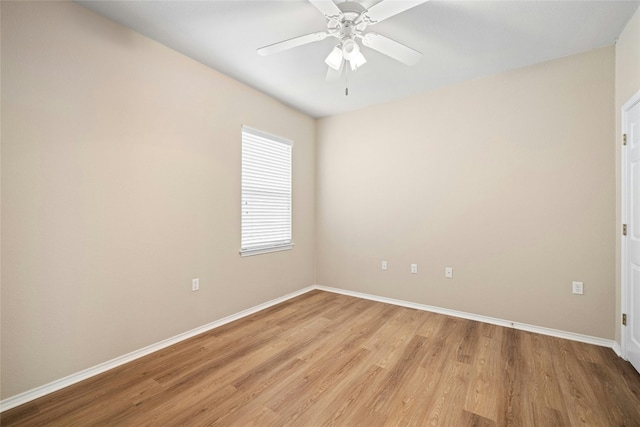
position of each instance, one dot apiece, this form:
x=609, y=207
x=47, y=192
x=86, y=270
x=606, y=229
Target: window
x=266, y=192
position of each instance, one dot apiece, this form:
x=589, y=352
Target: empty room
x=317, y=212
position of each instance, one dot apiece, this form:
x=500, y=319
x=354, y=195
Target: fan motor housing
x=351, y=8
x=349, y=24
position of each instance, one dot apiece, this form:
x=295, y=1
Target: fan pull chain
x=346, y=80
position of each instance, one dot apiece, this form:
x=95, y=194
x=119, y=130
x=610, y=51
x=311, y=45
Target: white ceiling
x=460, y=40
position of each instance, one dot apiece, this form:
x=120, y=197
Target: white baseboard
x=56, y=385
x=486, y=319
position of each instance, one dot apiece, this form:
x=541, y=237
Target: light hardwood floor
x=327, y=359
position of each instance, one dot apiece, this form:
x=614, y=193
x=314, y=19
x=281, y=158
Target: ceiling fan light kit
x=347, y=22
x=349, y=51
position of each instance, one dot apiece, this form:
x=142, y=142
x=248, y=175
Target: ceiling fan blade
x=388, y=8
x=327, y=7
x=391, y=48
x=294, y=42
x=334, y=75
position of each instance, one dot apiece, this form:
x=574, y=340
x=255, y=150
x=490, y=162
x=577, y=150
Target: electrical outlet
x=578, y=288
x=448, y=273
x=384, y=265
x=195, y=285
x=414, y=268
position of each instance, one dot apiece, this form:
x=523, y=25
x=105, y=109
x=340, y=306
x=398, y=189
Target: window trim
x=267, y=247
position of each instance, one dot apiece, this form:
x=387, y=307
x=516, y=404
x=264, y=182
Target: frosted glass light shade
x=334, y=60
x=350, y=49
x=357, y=61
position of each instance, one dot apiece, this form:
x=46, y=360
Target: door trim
x=624, y=198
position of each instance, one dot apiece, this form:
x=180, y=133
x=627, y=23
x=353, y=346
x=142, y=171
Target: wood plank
x=485, y=379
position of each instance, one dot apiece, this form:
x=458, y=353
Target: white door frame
x=624, y=196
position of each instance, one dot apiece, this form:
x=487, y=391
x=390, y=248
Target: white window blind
x=266, y=192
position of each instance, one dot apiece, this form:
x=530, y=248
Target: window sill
x=251, y=252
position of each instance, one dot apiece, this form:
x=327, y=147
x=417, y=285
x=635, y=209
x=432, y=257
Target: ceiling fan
x=347, y=22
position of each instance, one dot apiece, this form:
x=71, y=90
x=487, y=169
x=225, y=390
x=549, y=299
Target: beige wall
x=627, y=84
x=120, y=183
x=508, y=179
